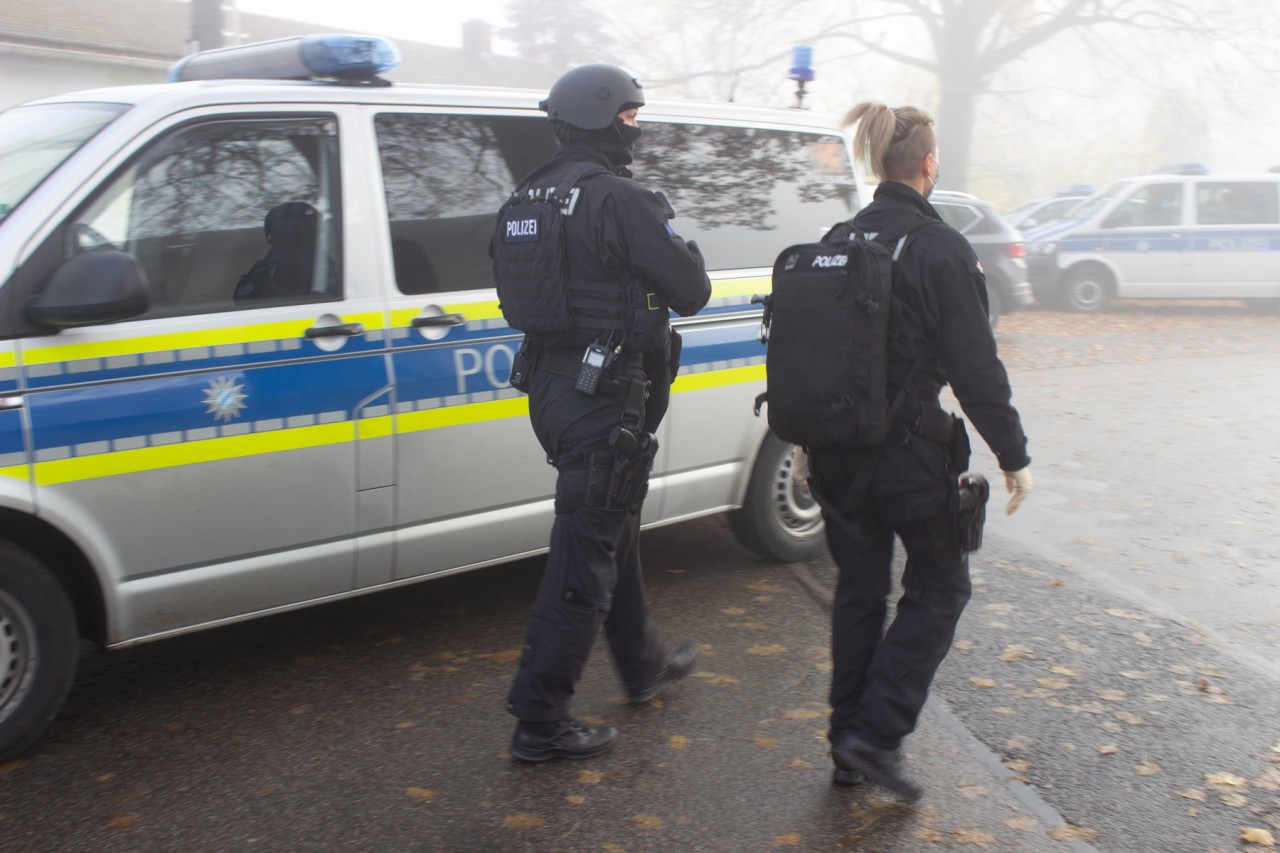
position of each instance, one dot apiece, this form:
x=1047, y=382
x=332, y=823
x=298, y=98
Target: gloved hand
x=1019, y=485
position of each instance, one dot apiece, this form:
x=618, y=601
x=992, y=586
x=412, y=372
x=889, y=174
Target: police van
x=251, y=356
x=1168, y=236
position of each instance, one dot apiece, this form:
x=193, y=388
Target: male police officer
x=597, y=392
x=908, y=487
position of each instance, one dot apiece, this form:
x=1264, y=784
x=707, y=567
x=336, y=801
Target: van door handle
x=438, y=320
x=7, y=403
x=339, y=330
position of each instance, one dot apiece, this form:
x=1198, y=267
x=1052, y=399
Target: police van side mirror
x=99, y=286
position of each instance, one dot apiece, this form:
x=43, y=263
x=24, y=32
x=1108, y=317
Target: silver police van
x=1166, y=236
x=251, y=357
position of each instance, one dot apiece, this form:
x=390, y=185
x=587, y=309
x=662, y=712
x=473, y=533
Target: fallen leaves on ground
x=1071, y=832
x=803, y=714
x=1146, y=768
x=678, y=741
x=766, y=742
x=1109, y=749
x=1014, y=652
x=983, y=682
x=973, y=836
x=1226, y=779
x=123, y=820
x=646, y=821
x=1023, y=824
x=421, y=794
x=1256, y=835
x=791, y=839
x=524, y=820
x=771, y=649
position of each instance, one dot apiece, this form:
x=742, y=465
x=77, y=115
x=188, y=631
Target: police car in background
x=999, y=247
x=1173, y=236
x=251, y=357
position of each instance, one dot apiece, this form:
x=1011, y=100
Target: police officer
x=619, y=241
x=939, y=334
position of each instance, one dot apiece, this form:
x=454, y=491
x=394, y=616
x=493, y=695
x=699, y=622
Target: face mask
x=629, y=135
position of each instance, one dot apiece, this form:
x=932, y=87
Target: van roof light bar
x=347, y=58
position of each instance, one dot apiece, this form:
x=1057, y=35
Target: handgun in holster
x=974, y=491
x=619, y=476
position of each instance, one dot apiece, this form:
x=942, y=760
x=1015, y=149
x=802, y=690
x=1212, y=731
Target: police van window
x=227, y=214
x=1152, y=206
x=445, y=176
x=1237, y=203
x=743, y=193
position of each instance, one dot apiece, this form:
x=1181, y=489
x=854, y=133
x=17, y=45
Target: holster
x=521, y=368
x=973, y=494
x=618, y=477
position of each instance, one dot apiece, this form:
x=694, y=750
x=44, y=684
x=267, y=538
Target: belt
x=608, y=386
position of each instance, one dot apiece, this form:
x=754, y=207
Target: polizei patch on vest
x=830, y=261
x=521, y=231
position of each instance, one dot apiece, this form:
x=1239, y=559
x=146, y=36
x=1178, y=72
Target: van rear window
x=743, y=193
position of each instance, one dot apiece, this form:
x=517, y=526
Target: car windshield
x=1094, y=203
x=35, y=140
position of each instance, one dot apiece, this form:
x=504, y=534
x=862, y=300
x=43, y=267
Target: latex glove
x=1019, y=485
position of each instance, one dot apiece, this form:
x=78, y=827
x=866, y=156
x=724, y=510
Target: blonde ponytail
x=890, y=142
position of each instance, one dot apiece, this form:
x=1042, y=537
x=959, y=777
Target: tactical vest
x=537, y=293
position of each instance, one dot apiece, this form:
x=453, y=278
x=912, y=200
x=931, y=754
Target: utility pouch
x=520, y=373
x=673, y=353
x=650, y=326
x=960, y=448
x=632, y=461
x=974, y=491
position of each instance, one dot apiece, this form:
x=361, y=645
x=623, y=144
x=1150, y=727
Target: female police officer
x=909, y=486
x=596, y=422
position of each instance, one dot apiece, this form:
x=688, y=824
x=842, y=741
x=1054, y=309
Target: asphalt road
x=1112, y=684
x=1121, y=651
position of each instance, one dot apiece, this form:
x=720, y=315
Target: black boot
x=677, y=668
x=882, y=766
x=561, y=739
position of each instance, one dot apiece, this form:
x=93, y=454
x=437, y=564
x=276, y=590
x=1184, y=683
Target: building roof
x=158, y=30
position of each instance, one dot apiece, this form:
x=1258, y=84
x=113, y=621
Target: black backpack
x=826, y=324
x=529, y=266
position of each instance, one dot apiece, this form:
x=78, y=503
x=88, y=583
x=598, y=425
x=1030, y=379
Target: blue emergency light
x=802, y=63
x=343, y=57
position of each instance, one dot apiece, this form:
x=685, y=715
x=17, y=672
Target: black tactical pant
x=881, y=677
x=593, y=573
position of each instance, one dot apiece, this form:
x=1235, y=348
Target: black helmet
x=591, y=96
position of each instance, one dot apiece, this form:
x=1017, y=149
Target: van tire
x=779, y=519
x=1086, y=290
x=38, y=648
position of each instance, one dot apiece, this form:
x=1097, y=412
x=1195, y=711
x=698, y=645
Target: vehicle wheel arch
x=67, y=562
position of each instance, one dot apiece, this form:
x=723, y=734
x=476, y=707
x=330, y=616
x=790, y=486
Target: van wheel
x=38, y=649
x=1086, y=290
x=779, y=518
